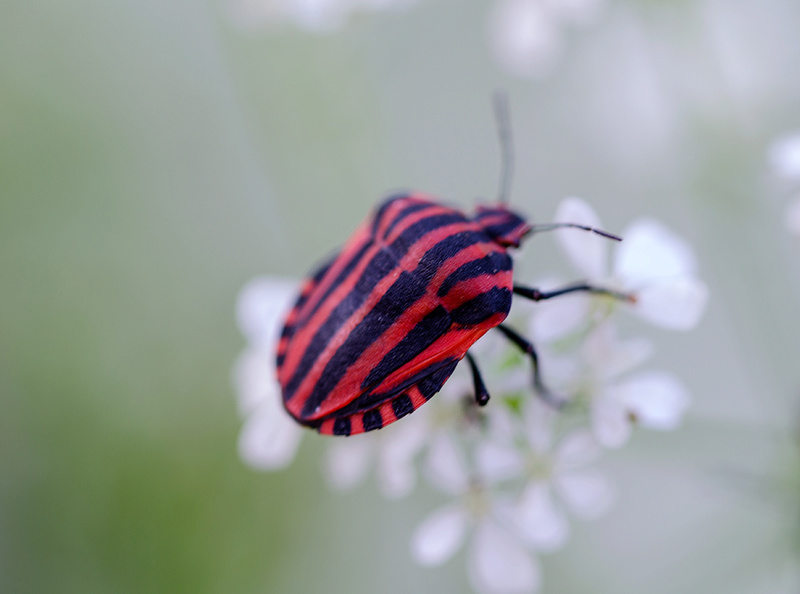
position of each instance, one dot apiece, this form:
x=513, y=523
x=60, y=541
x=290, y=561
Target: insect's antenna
x=503, y=121
x=551, y=226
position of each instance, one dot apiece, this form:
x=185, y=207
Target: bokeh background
x=155, y=155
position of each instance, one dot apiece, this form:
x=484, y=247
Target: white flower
x=347, y=461
x=652, y=264
x=617, y=399
x=497, y=561
x=440, y=535
x=653, y=399
x=784, y=156
x=784, y=160
x=527, y=36
x=556, y=477
x=269, y=437
x=392, y=450
x=498, y=564
x=261, y=308
x=540, y=516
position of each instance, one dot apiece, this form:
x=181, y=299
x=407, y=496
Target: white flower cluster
x=527, y=37
x=784, y=160
x=513, y=470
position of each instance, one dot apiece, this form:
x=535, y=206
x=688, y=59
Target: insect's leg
x=528, y=349
x=481, y=394
x=537, y=295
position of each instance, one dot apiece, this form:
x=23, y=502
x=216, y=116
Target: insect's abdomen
x=408, y=294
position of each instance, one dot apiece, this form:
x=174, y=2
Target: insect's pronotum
x=379, y=328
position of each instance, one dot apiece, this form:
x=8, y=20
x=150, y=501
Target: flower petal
x=348, y=460
x=576, y=449
x=784, y=156
x=501, y=425
x=588, y=493
x=539, y=419
x=609, y=357
x=498, y=564
x=269, y=438
x=255, y=380
x=445, y=466
x=397, y=478
x=397, y=475
x=524, y=38
x=539, y=520
x=262, y=306
x=657, y=399
x=439, y=535
x=651, y=251
x=497, y=463
x=588, y=252
x=611, y=424
x=675, y=304
x=559, y=317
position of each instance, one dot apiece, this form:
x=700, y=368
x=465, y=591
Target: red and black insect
x=379, y=328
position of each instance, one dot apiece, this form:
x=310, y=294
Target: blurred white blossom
x=498, y=564
x=652, y=264
x=497, y=560
x=269, y=437
x=554, y=477
x=784, y=156
x=617, y=398
x=784, y=160
x=527, y=36
x=652, y=399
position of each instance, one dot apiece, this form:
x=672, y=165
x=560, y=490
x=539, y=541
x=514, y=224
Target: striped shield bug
x=379, y=328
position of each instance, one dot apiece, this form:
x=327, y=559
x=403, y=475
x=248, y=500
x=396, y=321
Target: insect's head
x=501, y=224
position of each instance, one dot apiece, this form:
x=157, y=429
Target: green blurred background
x=154, y=156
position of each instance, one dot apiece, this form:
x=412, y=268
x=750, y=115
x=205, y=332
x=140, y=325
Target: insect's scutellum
x=378, y=329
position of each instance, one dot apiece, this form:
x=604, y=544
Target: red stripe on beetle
x=303, y=339
x=312, y=375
